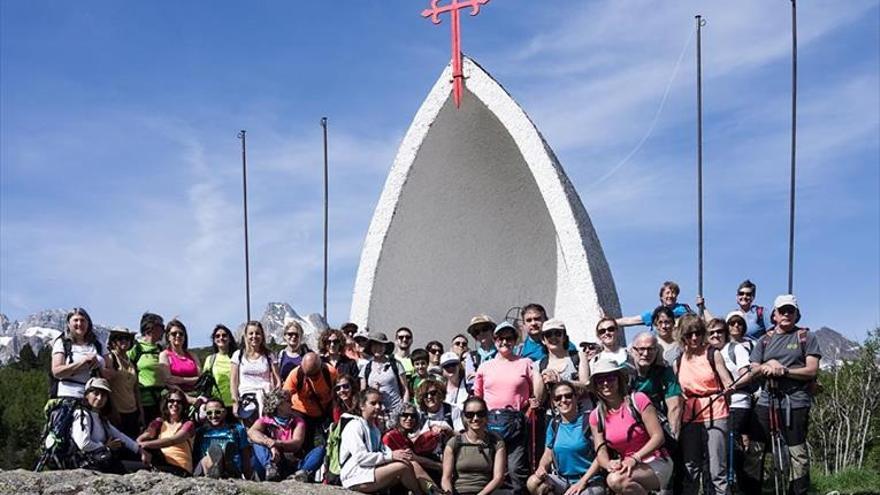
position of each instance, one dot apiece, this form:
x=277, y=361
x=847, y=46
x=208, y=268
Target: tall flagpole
x=793, y=145
x=700, y=23
x=326, y=203
x=247, y=264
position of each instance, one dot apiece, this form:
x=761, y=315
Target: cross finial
x=453, y=7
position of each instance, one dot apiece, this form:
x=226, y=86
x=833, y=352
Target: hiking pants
x=704, y=450
x=739, y=423
x=795, y=435
x=518, y=461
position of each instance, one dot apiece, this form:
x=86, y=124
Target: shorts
x=662, y=467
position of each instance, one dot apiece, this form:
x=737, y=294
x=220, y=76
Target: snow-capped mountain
x=836, y=349
x=39, y=329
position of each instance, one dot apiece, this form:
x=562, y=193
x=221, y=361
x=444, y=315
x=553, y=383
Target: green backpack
x=332, y=463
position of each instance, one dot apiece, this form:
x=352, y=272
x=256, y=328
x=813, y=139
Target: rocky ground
x=21, y=482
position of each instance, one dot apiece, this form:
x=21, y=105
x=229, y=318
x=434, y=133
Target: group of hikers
x=694, y=404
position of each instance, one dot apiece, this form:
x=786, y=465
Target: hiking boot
x=302, y=476
x=215, y=453
x=272, y=473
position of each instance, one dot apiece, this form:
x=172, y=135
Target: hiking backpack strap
x=759, y=314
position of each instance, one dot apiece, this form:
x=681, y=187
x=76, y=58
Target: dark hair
x=163, y=404
x=118, y=336
x=662, y=310
x=355, y=391
x=362, y=396
x=472, y=399
x=324, y=339
x=562, y=383
x=232, y=347
x=670, y=285
x=179, y=324
x=349, y=325
x=465, y=337
x=748, y=284
x=533, y=307
x=150, y=320
x=418, y=355
x=403, y=329
x=90, y=329
x=264, y=350
x=434, y=343
x=216, y=400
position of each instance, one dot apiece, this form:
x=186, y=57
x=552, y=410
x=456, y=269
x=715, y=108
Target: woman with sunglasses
x=291, y=355
x=627, y=424
x=331, y=344
x=98, y=440
x=425, y=443
x=474, y=461
x=368, y=466
x=457, y=390
x=253, y=373
x=177, y=366
x=705, y=381
x=435, y=350
x=121, y=374
x=567, y=466
x=559, y=364
x=219, y=362
x=439, y=415
x=169, y=438
x=345, y=394
x=221, y=449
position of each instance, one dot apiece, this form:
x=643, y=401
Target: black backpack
x=68, y=359
x=57, y=448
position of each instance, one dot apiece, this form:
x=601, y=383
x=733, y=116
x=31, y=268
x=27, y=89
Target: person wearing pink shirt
x=506, y=383
x=627, y=424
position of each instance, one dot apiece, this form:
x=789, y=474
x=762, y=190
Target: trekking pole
x=700, y=24
x=793, y=144
x=713, y=397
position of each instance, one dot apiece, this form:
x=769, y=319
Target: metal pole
x=793, y=144
x=700, y=23
x=326, y=203
x=247, y=264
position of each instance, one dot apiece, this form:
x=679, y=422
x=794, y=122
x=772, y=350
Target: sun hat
x=478, y=323
x=604, y=366
x=553, y=324
x=734, y=313
x=449, y=358
x=382, y=339
x=100, y=383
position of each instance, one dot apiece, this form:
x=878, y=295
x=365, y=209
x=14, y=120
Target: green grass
x=850, y=481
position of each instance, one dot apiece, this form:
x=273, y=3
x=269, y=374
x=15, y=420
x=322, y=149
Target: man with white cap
x=787, y=359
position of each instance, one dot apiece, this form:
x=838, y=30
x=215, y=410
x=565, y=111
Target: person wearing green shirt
x=219, y=364
x=401, y=350
x=655, y=379
x=145, y=356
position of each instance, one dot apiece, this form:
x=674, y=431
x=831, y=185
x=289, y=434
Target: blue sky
x=120, y=169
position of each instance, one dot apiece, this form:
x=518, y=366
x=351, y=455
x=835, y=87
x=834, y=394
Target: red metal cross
x=453, y=7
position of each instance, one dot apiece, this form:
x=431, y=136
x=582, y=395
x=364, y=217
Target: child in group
x=420, y=363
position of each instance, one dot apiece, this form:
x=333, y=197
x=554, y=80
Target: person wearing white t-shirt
x=252, y=373
x=73, y=368
x=610, y=337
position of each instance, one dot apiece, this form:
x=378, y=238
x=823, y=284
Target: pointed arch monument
x=477, y=216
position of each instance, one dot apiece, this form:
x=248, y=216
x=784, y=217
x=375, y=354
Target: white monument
x=477, y=216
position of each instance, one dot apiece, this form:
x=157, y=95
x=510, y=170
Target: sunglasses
x=432, y=393
x=603, y=331
x=175, y=334
x=411, y=416
x=694, y=334
x=333, y=341
x=221, y=336
x=505, y=338
x=450, y=367
x=434, y=351
x=214, y=412
x=291, y=334
x=605, y=379
x=553, y=334
x=482, y=413
x=174, y=401
x=736, y=323
x=786, y=310
x=342, y=386
x=560, y=397
x=744, y=293
x=717, y=332
x=460, y=343
x=404, y=337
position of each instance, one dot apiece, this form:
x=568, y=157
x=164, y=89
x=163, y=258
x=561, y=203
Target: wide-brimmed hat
x=382, y=339
x=449, y=358
x=478, y=323
x=604, y=366
x=100, y=383
x=553, y=324
x=121, y=332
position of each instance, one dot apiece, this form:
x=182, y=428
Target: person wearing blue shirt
x=567, y=464
x=221, y=449
x=669, y=292
x=756, y=326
